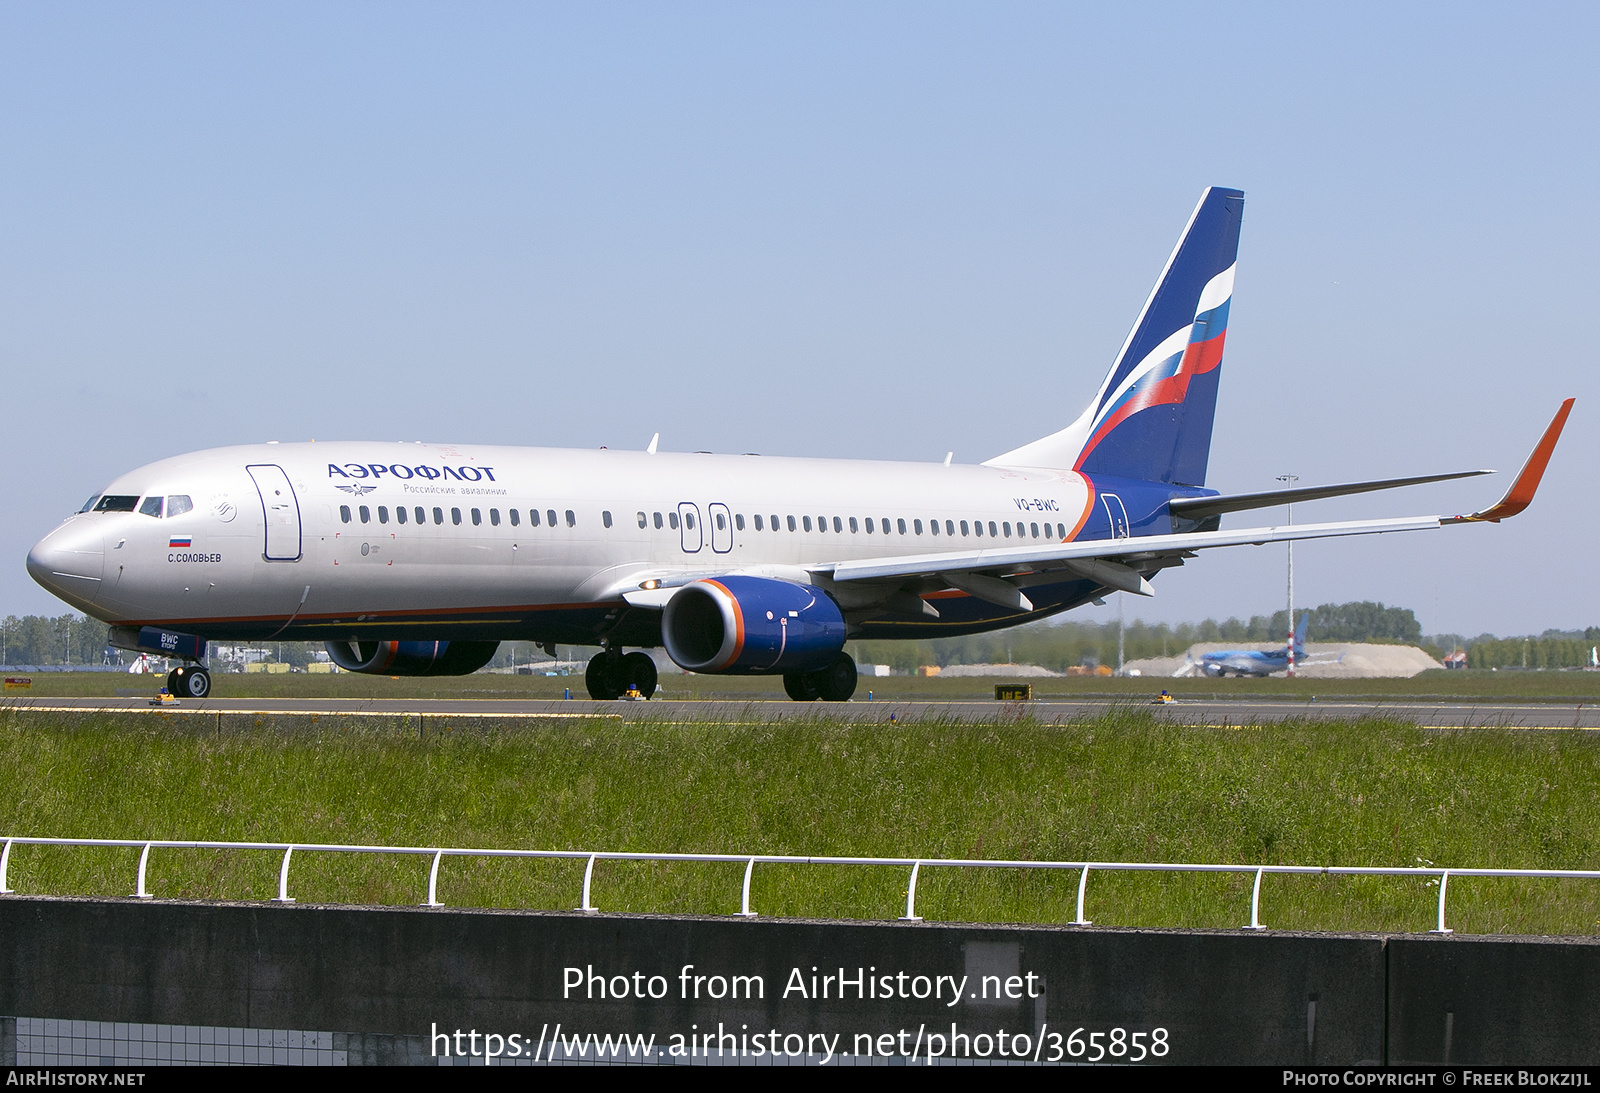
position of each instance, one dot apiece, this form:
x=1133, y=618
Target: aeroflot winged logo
x=463, y=473
x=357, y=490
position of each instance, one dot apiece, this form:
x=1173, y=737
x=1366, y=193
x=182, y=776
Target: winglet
x=1520, y=495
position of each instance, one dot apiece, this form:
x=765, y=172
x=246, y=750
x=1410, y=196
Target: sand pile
x=998, y=671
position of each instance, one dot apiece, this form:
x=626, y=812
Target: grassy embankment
x=1118, y=788
x=1429, y=686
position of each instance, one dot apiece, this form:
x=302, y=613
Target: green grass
x=1118, y=788
x=1439, y=684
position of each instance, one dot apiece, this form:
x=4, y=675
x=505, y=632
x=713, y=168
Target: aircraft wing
x=1073, y=556
x=1106, y=561
x=1114, y=563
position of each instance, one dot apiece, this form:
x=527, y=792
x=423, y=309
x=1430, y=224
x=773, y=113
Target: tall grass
x=1121, y=787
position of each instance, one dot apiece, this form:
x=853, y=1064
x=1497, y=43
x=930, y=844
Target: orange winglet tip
x=1520, y=495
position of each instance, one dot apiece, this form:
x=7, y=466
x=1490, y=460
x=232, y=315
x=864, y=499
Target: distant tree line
x=74, y=639
x=1062, y=645
x=39, y=639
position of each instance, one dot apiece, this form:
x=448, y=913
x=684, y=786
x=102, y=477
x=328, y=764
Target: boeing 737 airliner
x=418, y=559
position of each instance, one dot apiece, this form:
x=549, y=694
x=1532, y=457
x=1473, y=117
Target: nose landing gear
x=189, y=681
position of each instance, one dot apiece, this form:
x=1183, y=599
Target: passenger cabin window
x=115, y=502
x=366, y=514
x=151, y=507
x=738, y=521
x=383, y=514
x=774, y=521
x=963, y=527
x=758, y=521
x=806, y=520
x=869, y=525
x=643, y=521
x=992, y=532
x=550, y=514
x=494, y=518
x=533, y=518
x=1035, y=529
x=455, y=516
x=791, y=523
x=605, y=518
x=838, y=525
x=917, y=524
x=688, y=517
x=1007, y=526
x=853, y=528
x=438, y=516
x=477, y=517
x=178, y=504
x=900, y=525
x=344, y=513
x=977, y=527
x=722, y=522
x=949, y=527
x=655, y=519
x=672, y=520
x=421, y=514
x=933, y=526
x=516, y=517
x=400, y=513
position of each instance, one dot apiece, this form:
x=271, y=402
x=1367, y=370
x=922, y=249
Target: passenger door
x=280, y=509
x=1116, y=515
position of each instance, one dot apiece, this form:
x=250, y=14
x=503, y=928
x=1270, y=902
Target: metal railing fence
x=750, y=861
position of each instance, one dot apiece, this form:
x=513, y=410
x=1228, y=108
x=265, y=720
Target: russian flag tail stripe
x=1152, y=419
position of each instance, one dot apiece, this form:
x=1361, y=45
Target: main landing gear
x=189, y=681
x=611, y=675
x=835, y=683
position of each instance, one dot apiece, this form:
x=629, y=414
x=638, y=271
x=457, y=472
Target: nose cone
x=70, y=562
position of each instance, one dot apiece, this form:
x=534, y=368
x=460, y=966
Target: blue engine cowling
x=752, y=626
x=412, y=658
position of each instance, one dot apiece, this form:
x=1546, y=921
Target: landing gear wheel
x=189, y=682
x=639, y=674
x=801, y=686
x=604, y=677
x=837, y=682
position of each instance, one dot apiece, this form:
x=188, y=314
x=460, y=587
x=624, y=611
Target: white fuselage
x=322, y=548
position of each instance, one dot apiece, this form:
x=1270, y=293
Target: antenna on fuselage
x=651, y=450
x=948, y=456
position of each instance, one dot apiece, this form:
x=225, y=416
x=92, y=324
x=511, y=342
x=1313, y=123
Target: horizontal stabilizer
x=1197, y=508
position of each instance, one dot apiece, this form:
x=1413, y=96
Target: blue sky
x=875, y=230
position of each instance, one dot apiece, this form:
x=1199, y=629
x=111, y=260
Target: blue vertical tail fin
x=1151, y=418
x=1300, y=636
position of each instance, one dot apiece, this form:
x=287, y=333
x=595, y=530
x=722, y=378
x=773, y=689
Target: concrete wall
x=1220, y=997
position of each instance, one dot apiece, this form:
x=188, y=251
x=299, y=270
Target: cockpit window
x=114, y=502
x=178, y=504
x=151, y=507
x=89, y=504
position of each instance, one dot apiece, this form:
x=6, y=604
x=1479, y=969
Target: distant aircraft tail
x=1151, y=418
x=1300, y=637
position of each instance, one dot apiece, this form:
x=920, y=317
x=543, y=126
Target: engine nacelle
x=752, y=626
x=412, y=658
